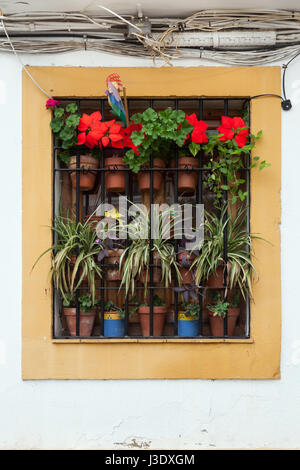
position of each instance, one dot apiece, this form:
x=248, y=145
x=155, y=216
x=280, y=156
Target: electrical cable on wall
x=235, y=37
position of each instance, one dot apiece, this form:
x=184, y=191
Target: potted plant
x=113, y=320
x=73, y=256
x=210, y=264
x=188, y=319
x=113, y=138
x=228, y=152
x=187, y=161
x=65, y=124
x=92, y=135
x=157, y=133
x=219, y=309
x=136, y=257
x=87, y=314
x=97, y=134
x=159, y=314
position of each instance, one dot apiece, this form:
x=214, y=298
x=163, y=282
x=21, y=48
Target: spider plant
x=136, y=256
x=73, y=256
x=239, y=248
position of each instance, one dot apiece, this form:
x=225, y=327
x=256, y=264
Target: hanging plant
x=64, y=126
x=227, y=151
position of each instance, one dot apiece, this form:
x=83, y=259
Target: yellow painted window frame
x=256, y=358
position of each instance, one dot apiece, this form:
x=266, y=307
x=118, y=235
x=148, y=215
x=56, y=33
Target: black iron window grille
x=82, y=204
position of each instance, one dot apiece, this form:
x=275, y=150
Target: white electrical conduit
x=229, y=39
x=242, y=58
x=221, y=29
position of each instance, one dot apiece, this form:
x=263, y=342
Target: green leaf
x=67, y=133
x=64, y=157
x=71, y=108
x=59, y=112
x=72, y=121
x=149, y=115
x=137, y=137
x=56, y=125
x=194, y=148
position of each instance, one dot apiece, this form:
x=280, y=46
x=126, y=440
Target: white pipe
x=221, y=39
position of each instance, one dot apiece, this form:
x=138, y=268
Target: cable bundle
x=49, y=33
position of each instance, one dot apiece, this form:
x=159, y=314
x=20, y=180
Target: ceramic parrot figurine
x=114, y=86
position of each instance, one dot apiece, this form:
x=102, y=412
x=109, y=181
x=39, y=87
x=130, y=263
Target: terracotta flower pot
x=159, y=314
x=87, y=176
x=217, y=323
x=187, y=180
x=185, y=257
x=144, y=176
x=115, y=180
x=113, y=274
x=86, y=321
x=156, y=271
x=217, y=280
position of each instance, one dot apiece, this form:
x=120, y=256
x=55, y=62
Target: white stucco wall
x=192, y=414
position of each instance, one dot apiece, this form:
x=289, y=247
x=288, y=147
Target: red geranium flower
x=91, y=129
x=127, y=136
x=112, y=135
x=198, y=134
x=229, y=129
x=94, y=132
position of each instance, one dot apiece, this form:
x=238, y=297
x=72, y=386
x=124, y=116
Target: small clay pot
x=217, y=280
x=87, y=176
x=217, y=323
x=113, y=274
x=187, y=180
x=159, y=314
x=185, y=257
x=86, y=321
x=115, y=181
x=144, y=176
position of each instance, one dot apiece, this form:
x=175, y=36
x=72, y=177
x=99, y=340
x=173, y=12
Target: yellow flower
x=113, y=214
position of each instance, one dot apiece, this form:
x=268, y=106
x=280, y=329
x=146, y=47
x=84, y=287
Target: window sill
x=153, y=340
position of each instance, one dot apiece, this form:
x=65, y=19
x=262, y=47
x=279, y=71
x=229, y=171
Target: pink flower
x=52, y=103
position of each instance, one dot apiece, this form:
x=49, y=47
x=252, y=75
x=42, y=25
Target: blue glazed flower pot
x=187, y=326
x=113, y=325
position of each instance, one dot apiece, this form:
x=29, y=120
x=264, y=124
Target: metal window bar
x=225, y=196
x=248, y=189
x=77, y=221
x=151, y=287
x=200, y=201
x=151, y=241
x=176, y=241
